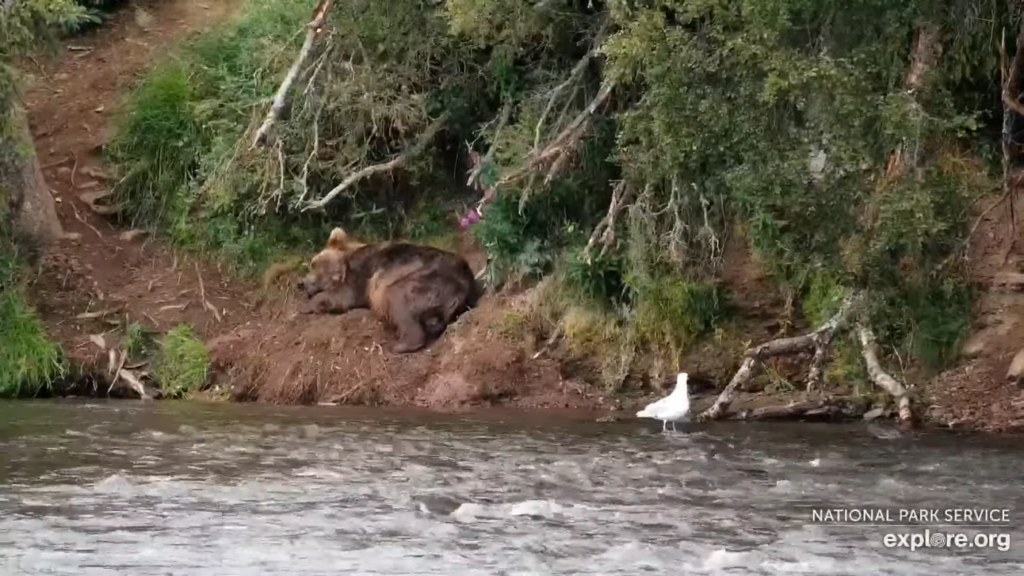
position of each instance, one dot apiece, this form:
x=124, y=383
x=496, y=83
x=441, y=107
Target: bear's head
x=327, y=270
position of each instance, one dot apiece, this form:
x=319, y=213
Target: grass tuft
x=182, y=363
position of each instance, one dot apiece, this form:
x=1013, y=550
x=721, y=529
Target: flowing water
x=89, y=488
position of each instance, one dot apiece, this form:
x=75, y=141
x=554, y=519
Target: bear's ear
x=338, y=239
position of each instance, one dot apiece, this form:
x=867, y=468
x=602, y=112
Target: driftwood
x=813, y=410
x=817, y=341
x=780, y=347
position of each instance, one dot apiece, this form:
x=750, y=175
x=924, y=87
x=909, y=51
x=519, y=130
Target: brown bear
x=418, y=290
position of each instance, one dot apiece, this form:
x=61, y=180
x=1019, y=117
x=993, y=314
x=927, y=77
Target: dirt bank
x=100, y=278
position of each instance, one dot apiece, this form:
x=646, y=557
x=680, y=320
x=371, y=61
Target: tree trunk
x=27, y=210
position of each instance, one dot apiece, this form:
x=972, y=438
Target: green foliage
x=136, y=341
x=824, y=298
x=29, y=362
x=180, y=132
x=671, y=313
x=182, y=363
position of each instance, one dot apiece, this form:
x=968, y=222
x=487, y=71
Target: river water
x=90, y=488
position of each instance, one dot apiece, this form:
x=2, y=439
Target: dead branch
x=780, y=347
x=313, y=29
x=565, y=142
x=574, y=74
x=880, y=377
x=135, y=383
x=388, y=166
x=604, y=232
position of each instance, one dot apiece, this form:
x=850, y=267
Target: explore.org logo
x=931, y=539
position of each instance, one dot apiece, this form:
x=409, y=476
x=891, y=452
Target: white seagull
x=672, y=408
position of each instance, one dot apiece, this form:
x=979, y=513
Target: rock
x=974, y=346
x=87, y=184
x=94, y=172
x=129, y=235
x=1016, y=370
x=874, y=414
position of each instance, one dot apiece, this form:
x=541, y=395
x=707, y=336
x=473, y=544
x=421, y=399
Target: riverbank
x=103, y=286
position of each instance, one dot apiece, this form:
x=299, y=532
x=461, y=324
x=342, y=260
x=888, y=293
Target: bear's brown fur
x=418, y=290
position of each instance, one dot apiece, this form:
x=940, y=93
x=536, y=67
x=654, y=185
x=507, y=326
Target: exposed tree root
x=280, y=98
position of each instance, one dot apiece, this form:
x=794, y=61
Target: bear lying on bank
x=417, y=290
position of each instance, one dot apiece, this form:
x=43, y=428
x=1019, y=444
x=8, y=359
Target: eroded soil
x=262, y=350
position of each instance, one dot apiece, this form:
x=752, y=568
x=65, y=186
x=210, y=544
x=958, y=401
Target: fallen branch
x=135, y=383
x=392, y=164
x=780, y=347
x=880, y=377
x=313, y=29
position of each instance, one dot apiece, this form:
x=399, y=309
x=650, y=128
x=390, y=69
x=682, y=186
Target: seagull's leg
x=674, y=426
x=664, y=426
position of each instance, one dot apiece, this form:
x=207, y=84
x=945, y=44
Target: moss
x=182, y=363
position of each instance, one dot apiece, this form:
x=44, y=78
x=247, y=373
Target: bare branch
x=880, y=377
x=566, y=140
x=574, y=74
x=277, y=107
x=392, y=164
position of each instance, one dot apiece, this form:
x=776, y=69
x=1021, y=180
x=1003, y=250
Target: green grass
x=176, y=143
x=182, y=363
x=29, y=362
